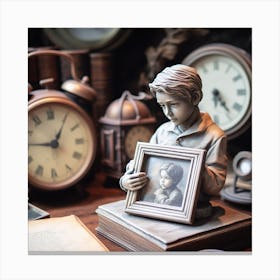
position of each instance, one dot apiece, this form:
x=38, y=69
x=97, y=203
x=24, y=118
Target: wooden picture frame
x=182, y=166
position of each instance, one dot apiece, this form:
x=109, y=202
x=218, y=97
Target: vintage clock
x=61, y=134
x=225, y=71
x=126, y=121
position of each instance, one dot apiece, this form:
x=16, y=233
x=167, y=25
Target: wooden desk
x=83, y=201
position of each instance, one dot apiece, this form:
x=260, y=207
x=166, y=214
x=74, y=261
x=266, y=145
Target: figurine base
x=203, y=210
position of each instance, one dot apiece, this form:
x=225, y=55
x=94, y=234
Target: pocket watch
x=225, y=71
x=61, y=134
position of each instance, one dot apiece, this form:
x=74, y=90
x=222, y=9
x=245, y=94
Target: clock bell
x=127, y=120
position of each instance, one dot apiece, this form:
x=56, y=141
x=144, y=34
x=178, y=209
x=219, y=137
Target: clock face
x=226, y=86
x=137, y=133
x=60, y=145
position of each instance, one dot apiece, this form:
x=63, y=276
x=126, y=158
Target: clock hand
x=53, y=144
x=57, y=136
x=48, y=144
x=215, y=93
x=217, y=97
x=223, y=103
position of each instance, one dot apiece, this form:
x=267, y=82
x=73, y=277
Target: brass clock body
x=126, y=121
x=61, y=141
x=225, y=71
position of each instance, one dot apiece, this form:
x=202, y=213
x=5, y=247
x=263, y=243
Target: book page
x=62, y=234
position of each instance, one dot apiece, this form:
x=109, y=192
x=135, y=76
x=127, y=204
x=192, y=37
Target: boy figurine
x=168, y=193
x=178, y=90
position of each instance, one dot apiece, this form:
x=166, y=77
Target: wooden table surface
x=83, y=200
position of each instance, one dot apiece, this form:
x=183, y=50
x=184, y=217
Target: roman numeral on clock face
x=79, y=141
x=39, y=170
x=50, y=114
x=53, y=173
x=77, y=155
x=30, y=159
x=68, y=167
x=236, y=106
x=237, y=77
x=216, y=65
x=74, y=127
x=241, y=92
x=36, y=120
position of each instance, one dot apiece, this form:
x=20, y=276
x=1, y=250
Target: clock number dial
x=237, y=107
x=30, y=159
x=53, y=173
x=79, y=141
x=39, y=170
x=241, y=92
x=216, y=65
x=36, y=120
x=74, y=127
x=60, y=145
x=68, y=167
x=50, y=114
x=77, y=155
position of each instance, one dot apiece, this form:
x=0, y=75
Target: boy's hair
x=174, y=171
x=179, y=80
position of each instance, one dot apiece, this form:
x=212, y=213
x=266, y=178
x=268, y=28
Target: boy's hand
x=135, y=181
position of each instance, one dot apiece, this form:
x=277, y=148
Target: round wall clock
x=89, y=38
x=225, y=71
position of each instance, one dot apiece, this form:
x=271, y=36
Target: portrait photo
x=173, y=182
x=167, y=181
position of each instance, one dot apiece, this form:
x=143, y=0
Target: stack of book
x=101, y=69
x=227, y=229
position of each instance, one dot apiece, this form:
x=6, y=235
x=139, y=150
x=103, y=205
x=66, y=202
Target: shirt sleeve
x=215, y=171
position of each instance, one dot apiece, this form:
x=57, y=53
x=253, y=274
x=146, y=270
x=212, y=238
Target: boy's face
x=165, y=180
x=176, y=110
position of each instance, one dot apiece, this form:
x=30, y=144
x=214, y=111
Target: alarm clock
x=226, y=72
x=61, y=134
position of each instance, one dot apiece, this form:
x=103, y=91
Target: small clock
x=61, y=134
x=127, y=120
x=225, y=71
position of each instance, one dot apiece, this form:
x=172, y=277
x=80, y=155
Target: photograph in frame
x=174, y=182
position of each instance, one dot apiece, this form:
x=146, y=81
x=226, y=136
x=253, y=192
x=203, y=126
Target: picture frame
x=172, y=191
